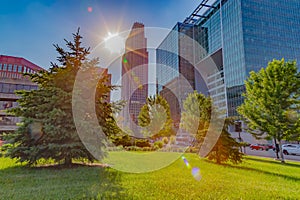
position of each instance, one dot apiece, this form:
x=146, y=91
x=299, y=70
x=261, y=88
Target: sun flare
x=114, y=42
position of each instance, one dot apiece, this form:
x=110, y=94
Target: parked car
x=262, y=147
x=293, y=149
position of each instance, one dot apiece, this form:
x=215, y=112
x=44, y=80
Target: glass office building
x=175, y=65
x=249, y=34
x=134, y=76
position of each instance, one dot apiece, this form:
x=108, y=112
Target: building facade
x=244, y=35
x=11, y=79
x=175, y=70
x=134, y=76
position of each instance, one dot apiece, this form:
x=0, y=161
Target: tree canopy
x=196, y=119
x=272, y=102
x=47, y=129
x=155, y=117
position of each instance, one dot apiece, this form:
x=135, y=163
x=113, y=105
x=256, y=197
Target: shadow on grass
x=81, y=181
x=273, y=162
x=259, y=170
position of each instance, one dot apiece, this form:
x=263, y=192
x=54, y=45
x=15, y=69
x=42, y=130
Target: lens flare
x=35, y=130
x=195, y=170
x=186, y=162
x=114, y=42
x=196, y=173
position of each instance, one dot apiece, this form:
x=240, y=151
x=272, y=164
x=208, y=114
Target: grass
x=255, y=178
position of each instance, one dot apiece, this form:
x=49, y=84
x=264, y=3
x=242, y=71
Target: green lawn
x=256, y=178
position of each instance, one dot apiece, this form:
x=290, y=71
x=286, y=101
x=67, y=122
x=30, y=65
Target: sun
x=114, y=43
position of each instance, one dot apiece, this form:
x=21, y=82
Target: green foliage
x=47, y=129
x=165, y=140
x=155, y=117
x=159, y=144
x=197, y=113
x=142, y=143
x=226, y=148
x=272, y=102
x=172, y=139
x=123, y=140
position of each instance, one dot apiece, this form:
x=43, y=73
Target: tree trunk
x=276, y=148
x=68, y=161
x=281, y=153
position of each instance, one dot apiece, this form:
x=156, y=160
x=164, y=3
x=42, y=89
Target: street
x=269, y=154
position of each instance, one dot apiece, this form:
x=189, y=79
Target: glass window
x=20, y=87
x=26, y=87
x=15, y=68
x=12, y=88
x=5, y=88
x=0, y=66
x=20, y=68
x=4, y=67
x=9, y=67
x=24, y=69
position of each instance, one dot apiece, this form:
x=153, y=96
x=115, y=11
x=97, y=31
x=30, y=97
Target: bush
x=142, y=143
x=172, y=139
x=193, y=150
x=123, y=140
x=146, y=149
x=165, y=140
x=159, y=144
x=155, y=148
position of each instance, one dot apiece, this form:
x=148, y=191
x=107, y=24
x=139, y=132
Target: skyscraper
x=134, y=75
x=239, y=36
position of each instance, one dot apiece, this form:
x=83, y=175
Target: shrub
x=159, y=144
x=165, y=140
x=193, y=150
x=172, y=139
x=123, y=140
x=142, y=143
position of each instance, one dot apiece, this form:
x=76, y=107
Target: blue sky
x=29, y=28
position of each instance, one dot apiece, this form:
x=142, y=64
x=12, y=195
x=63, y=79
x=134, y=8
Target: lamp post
x=238, y=128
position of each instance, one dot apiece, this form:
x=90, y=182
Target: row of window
x=10, y=75
x=15, y=68
x=7, y=104
x=10, y=88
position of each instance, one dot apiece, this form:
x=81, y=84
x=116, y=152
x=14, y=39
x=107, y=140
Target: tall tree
x=226, y=147
x=155, y=117
x=272, y=102
x=48, y=130
x=196, y=119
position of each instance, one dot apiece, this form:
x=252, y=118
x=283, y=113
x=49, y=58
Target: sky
x=29, y=28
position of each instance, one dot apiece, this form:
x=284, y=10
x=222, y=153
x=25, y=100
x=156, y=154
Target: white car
x=293, y=149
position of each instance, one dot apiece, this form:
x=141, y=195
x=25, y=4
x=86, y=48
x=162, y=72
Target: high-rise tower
x=134, y=75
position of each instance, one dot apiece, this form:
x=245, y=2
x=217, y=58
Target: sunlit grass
x=140, y=162
x=256, y=178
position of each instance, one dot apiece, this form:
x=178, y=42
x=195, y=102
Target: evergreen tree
x=226, y=148
x=196, y=119
x=155, y=117
x=47, y=129
x=272, y=102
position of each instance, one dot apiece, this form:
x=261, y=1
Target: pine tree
x=196, y=119
x=226, y=148
x=47, y=129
